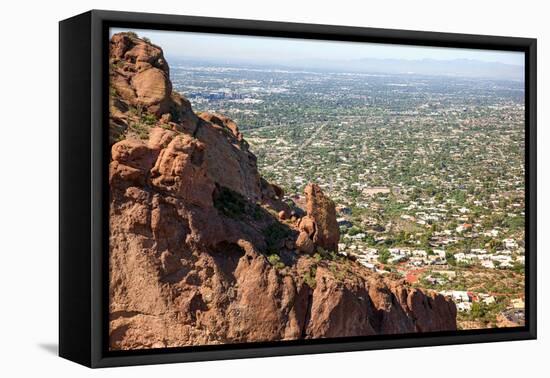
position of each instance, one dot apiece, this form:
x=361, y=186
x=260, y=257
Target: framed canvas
x=235, y=188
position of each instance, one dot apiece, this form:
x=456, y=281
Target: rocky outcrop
x=319, y=225
x=205, y=251
x=141, y=91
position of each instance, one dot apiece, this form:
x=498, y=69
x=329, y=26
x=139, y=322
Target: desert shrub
x=140, y=129
x=148, y=119
x=326, y=255
x=450, y=258
x=230, y=203
x=309, y=277
x=339, y=272
x=275, y=260
x=234, y=205
x=384, y=256
x=354, y=230
x=317, y=257
x=274, y=234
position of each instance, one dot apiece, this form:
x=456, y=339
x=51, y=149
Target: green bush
x=309, y=277
x=230, y=203
x=384, y=256
x=140, y=129
x=275, y=260
x=450, y=258
x=354, y=230
x=148, y=119
x=274, y=234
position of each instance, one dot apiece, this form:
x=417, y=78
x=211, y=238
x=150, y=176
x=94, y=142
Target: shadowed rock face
x=204, y=251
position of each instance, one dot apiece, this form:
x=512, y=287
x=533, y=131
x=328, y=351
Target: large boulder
x=180, y=171
x=151, y=86
x=139, y=79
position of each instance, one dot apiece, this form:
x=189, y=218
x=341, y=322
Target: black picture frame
x=83, y=205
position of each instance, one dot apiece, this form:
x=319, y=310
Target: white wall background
x=29, y=216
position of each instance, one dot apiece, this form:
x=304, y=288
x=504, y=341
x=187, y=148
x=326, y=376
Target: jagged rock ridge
x=205, y=251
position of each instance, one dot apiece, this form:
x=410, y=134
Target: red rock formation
x=319, y=225
x=141, y=90
x=202, y=250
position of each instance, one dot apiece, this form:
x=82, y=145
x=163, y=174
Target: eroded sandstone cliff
x=205, y=251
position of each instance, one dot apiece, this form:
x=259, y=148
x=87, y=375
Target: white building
x=489, y=300
x=510, y=243
x=464, y=306
x=457, y=296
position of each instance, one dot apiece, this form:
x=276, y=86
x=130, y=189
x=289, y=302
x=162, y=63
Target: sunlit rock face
x=205, y=251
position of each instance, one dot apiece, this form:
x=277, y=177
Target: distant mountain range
x=468, y=68
x=456, y=67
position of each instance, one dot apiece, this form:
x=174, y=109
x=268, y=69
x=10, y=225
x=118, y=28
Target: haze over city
x=337, y=56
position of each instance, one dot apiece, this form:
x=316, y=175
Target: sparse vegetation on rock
x=205, y=251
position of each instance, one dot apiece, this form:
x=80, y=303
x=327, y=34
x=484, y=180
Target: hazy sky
x=288, y=50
